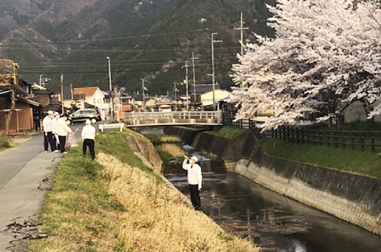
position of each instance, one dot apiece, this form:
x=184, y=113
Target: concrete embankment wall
x=351, y=197
x=230, y=150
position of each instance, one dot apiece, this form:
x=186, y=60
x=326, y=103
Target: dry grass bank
x=158, y=219
x=119, y=204
x=174, y=149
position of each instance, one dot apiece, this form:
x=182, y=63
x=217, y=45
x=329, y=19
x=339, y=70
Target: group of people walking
x=56, y=132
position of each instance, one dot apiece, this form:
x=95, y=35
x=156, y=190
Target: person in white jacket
x=62, y=131
x=194, y=180
x=48, y=132
x=88, y=136
x=56, y=116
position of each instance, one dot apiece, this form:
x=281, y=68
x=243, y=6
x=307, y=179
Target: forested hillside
x=144, y=39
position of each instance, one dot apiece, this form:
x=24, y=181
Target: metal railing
x=173, y=118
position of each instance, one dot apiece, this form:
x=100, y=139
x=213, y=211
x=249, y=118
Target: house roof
x=203, y=88
x=87, y=91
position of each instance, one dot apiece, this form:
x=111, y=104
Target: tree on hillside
x=326, y=54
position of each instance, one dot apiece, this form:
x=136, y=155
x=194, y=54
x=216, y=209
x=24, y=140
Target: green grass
x=365, y=163
x=228, y=132
x=165, y=156
x=4, y=142
x=79, y=208
x=76, y=207
x=360, y=126
x=116, y=144
x=155, y=138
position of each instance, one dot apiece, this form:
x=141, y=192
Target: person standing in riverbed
x=194, y=180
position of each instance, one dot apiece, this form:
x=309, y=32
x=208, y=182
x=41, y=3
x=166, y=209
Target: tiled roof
x=87, y=91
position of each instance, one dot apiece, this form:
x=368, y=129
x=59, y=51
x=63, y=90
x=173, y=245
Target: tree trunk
x=9, y=114
x=370, y=123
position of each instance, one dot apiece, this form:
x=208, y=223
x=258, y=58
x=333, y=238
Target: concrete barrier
x=350, y=197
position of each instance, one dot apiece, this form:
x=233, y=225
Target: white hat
x=50, y=112
x=56, y=113
x=194, y=158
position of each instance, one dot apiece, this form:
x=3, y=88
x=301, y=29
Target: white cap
x=88, y=122
x=194, y=158
x=50, y=112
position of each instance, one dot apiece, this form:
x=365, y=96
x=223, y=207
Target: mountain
x=143, y=38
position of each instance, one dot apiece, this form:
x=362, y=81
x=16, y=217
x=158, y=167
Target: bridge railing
x=175, y=117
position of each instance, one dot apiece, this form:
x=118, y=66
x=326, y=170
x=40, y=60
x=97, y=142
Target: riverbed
x=272, y=221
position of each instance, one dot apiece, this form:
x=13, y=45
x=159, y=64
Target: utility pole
x=194, y=77
x=62, y=97
x=175, y=91
x=144, y=96
x=241, y=28
x=110, y=87
x=71, y=92
x=213, y=71
x=186, y=84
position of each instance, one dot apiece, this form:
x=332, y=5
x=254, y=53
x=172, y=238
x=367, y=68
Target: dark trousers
x=195, y=196
x=90, y=143
x=49, y=140
x=62, y=140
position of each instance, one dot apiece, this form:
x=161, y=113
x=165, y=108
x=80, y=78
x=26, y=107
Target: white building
x=219, y=95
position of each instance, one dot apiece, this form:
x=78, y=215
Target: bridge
x=139, y=119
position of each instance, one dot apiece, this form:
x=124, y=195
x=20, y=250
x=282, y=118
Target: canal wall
x=348, y=196
x=228, y=149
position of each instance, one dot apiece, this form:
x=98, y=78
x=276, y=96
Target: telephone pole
x=241, y=28
x=62, y=93
x=175, y=91
x=144, y=96
x=186, y=83
x=213, y=71
x=110, y=86
x=194, y=77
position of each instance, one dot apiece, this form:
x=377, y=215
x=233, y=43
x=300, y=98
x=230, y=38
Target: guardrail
x=173, y=118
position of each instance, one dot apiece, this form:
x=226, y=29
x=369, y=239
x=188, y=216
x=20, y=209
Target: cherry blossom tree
x=326, y=54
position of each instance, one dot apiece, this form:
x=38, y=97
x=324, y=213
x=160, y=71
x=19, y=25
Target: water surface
x=275, y=222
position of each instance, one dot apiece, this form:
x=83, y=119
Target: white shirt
x=194, y=174
x=47, y=124
x=54, y=125
x=62, y=128
x=88, y=132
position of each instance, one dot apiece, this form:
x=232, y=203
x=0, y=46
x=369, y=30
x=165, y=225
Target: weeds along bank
x=118, y=203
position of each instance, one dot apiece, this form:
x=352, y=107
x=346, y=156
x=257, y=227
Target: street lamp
x=110, y=84
x=213, y=71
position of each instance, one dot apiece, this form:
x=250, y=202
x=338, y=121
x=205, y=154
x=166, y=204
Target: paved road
x=26, y=173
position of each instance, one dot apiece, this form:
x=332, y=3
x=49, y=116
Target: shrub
x=4, y=142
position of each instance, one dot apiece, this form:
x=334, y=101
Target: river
x=272, y=221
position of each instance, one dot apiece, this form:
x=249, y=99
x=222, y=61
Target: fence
x=370, y=140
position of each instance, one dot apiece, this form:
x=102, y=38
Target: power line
x=115, y=38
